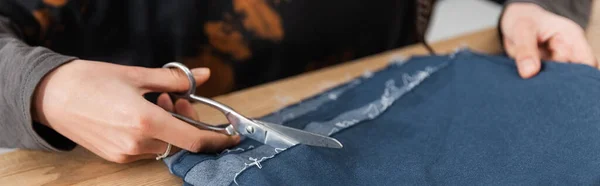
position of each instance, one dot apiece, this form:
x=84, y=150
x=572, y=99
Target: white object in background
x=455, y=17
x=3, y=150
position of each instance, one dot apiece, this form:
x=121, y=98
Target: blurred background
x=454, y=17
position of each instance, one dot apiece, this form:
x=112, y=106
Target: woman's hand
x=100, y=106
x=532, y=33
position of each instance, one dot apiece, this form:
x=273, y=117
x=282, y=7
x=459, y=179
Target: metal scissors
x=274, y=135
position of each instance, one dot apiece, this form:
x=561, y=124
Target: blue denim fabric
x=461, y=119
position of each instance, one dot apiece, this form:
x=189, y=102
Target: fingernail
x=200, y=71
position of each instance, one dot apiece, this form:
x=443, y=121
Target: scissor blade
x=304, y=137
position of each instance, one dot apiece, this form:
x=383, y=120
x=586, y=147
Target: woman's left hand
x=532, y=34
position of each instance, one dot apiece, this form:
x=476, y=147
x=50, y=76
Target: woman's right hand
x=101, y=107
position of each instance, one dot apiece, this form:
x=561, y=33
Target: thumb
x=523, y=47
x=169, y=79
x=528, y=65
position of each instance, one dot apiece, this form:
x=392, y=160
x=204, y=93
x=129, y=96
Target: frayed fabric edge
x=370, y=111
x=397, y=60
x=375, y=108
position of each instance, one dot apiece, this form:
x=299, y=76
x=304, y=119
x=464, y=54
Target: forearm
x=21, y=69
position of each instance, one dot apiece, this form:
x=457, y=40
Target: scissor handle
x=228, y=129
x=192, y=81
x=189, y=95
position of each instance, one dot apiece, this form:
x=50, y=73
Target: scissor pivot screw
x=250, y=129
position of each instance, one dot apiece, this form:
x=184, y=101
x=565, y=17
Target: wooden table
x=80, y=167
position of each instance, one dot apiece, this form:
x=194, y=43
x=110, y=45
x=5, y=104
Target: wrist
x=39, y=95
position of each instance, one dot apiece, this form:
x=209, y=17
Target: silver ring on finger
x=166, y=154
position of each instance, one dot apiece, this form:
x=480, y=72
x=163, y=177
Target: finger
x=129, y=159
x=100, y=146
x=85, y=144
x=162, y=146
x=560, y=50
x=545, y=54
x=115, y=157
x=167, y=80
x=142, y=157
x=155, y=146
x=165, y=102
x=99, y=153
x=523, y=46
x=132, y=150
x=217, y=142
x=582, y=52
x=186, y=136
x=184, y=107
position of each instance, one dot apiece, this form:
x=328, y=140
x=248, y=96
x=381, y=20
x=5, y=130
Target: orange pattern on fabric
x=257, y=17
x=221, y=74
x=224, y=38
x=42, y=16
x=56, y=3
x=260, y=18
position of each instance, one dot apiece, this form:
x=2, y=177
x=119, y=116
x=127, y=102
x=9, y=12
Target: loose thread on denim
x=398, y=59
x=457, y=50
x=344, y=124
x=239, y=149
x=367, y=74
x=372, y=111
x=390, y=94
x=255, y=162
x=277, y=150
x=333, y=96
x=288, y=117
x=333, y=130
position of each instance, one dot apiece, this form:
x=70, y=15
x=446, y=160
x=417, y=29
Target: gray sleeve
x=577, y=10
x=21, y=69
